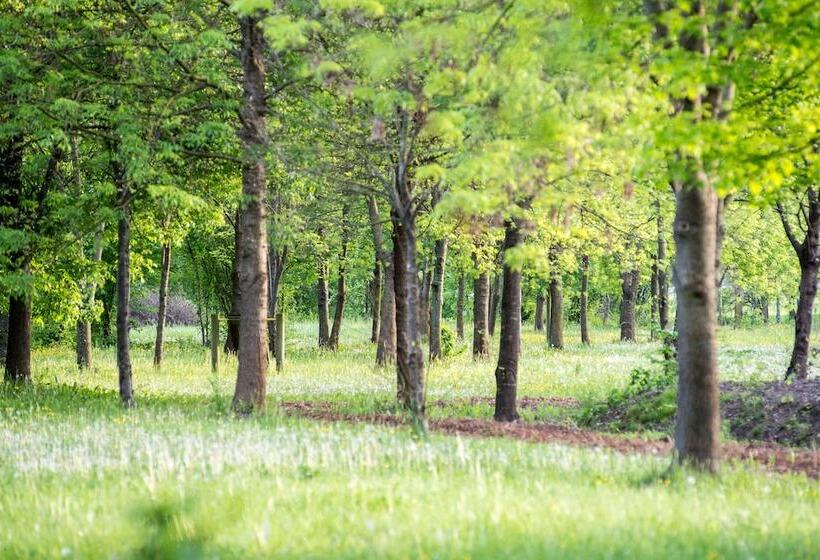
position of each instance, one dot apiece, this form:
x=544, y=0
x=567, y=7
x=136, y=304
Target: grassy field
x=180, y=478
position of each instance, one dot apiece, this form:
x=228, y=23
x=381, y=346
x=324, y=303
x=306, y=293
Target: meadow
x=179, y=477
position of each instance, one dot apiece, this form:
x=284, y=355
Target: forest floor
x=179, y=477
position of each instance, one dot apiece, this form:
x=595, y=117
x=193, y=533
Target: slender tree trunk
x=460, y=307
x=539, y=311
x=376, y=301
x=124, y=291
x=18, y=349
x=409, y=357
x=777, y=316
x=697, y=426
x=108, y=305
x=495, y=298
x=506, y=372
x=481, y=306
x=583, y=299
x=629, y=290
x=437, y=298
x=386, y=344
x=277, y=259
x=799, y=363
x=663, y=287
x=163, y=301
x=424, y=299
x=764, y=310
x=738, y=307
x=232, y=339
x=253, y=278
x=606, y=309
x=556, y=323
x=323, y=303
x=84, y=343
x=341, y=297
x=653, y=292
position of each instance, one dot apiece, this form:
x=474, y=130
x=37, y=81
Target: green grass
x=180, y=478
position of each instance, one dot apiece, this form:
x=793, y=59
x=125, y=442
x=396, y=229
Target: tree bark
x=629, y=291
x=556, y=324
x=409, y=357
x=341, y=297
x=663, y=287
x=583, y=304
x=84, y=343
x=437, y=298
x=799, y=362
x=697, y=425
x=386, y=344
x=124, y=289
x=539, y=311
x=323, y=303
x=481, y=306
x=276, y=268
x=495, y=298
x=424, y=300
x=253, y=277
x=4, y=337
x=376, y=301
x=506, y=372
x=232, y=338
x=163, y=301
x=18, y=349
x=460, y=307
x=764, y=309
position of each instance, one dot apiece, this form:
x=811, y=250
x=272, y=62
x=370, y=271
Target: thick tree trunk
x=18, y=348
x=323, y=304
x=386, y=346
x=253, y=278
x=663, y=287
x=799, y=363
x=629, y=291
x=460, y=307
x=697, y=426
x=276, y=268
x=341, y=298
x=539, y=311
x=481, y=306
x=506, y=372
x=232, y=338
x=582, y=303
x=409, y=357
x=376, y=301
x=163, y=302
x=124, y=294
x=437, y=298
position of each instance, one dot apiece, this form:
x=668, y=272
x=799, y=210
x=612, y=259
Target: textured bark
x=460, y=307
x=232, y=338
x=583, y=303
x=556, y=290
x=495, y=298
x=424, y=299
x=506, y=372
x=276, y=268
x=341, y=298
x=163, y=302
x=386, y=343
x=253, y=272
x=375, y=301
x=539, y=311
x=124, y=291
x=481, y=306
x=629, y=293
x=323, y=304
x=437, y=298
x=697, y=425
x=18, y=349
x=409, y=357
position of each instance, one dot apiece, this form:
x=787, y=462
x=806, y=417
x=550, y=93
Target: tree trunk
x=232, y=338
x=653, y=293
x=437, y=298
x=323, y=303
x=4, y=337
x=606, y=308
x=276, y=268
x=409, y=358
x=460, y=307
x=506, y=372
x=163, y=301
x=124, y=291
x=84, y=343
x=799, y=363
x=481, y=307
x=777, y=316
x=629, y=290
x=738, y=307
x=697, y=425
x=583, y=299
x=18, y=349
x=764, y=310
x=341, y=297
x=556, y=323
x=376, y=300
x=253, y=277
x=539, y=311
x=424, y=299
x=386, y=344
x=663, y=288
x=108, y=304
x=495, y=297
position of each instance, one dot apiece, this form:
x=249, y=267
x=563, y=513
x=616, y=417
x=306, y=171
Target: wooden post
x=214, y=342
x=279, y=343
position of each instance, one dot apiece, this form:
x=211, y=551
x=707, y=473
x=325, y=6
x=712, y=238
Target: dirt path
x=770, y=456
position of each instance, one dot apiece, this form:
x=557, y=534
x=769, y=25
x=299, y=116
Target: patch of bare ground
x=528, y=403
x=770, y=456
